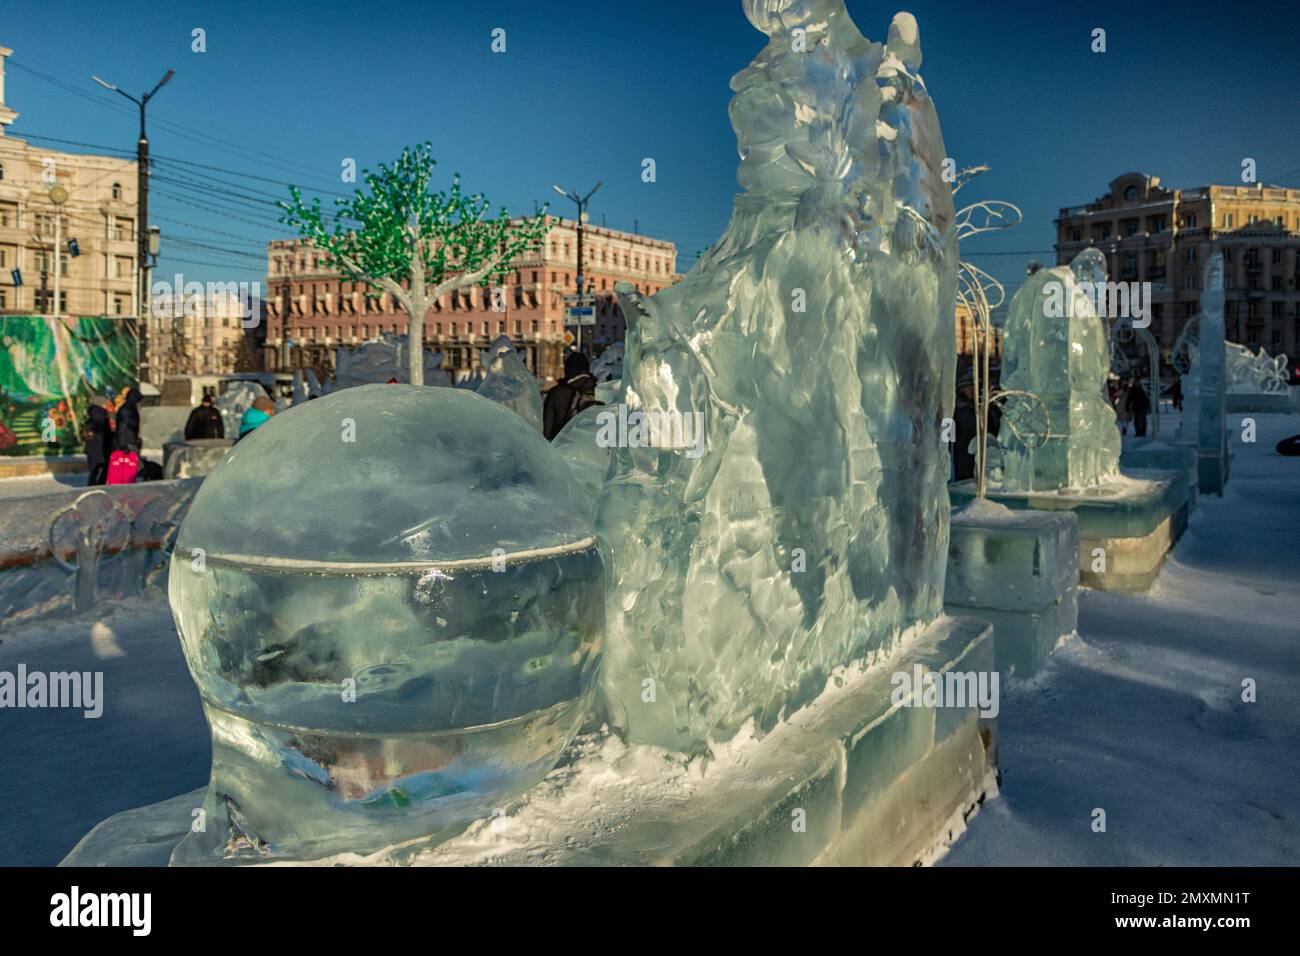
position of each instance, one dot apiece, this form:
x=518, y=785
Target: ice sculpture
x=381, y=360
x=234, y=401
x=509, y=382
x=1211, y=364
x=815, y=338
x=1250, y=373
x=392, y=604
x=608, y=365
x=1054, y=346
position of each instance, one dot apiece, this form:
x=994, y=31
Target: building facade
x=97, y=222
x=317, y=310
x=195, y=334
x=1150, y=233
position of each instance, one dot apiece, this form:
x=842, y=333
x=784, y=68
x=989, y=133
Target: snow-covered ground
x=1141, y=715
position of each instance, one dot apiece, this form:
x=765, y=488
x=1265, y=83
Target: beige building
x=195, y=335
x=1150, y=233
x=99, y=216
x=320, y=311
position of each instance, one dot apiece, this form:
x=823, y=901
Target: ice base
x=1135, y=519
x=1018, y=570
x=1279, y=402
x=877, y=784
x=1162, y=456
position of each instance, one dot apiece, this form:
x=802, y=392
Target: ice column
x=1211, y=365
x=1054, y=346
x=813, y=345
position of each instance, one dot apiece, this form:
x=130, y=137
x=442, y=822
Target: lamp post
x=582, y=226
x=58, y=196
x=142, y=220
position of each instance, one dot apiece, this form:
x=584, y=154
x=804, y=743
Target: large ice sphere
x=391, y=601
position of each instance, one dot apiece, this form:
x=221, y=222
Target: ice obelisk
x=815, y=340
x=1212, y=443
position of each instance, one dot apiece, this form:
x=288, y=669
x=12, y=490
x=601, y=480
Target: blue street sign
x=17, y=276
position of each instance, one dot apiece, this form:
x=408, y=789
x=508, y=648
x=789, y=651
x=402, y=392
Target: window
x=4, y=260
x=4, y=299
x=117, y=190
x=1131, y=193
x=1131, y=229
x=2, y=170
x=1277, y=257
x=1227, y=220
x=119, y=305
x=1076, y=235
x=1191, y=254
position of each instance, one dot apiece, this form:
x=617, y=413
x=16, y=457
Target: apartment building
x=318, y=310
x=95, y=227
x=1151, y=233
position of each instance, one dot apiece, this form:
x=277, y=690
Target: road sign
x=573, y=299
x=580, y=315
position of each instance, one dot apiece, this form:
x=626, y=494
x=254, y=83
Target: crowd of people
x=109, y=430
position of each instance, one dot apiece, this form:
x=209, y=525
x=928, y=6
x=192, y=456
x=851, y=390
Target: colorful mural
x=50, y=369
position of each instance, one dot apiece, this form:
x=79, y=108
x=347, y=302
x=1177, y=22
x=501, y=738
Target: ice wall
x=1054, y=346
x=814, y=341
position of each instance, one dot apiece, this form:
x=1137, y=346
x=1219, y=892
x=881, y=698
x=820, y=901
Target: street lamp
x=582, y=226
x=142, y=218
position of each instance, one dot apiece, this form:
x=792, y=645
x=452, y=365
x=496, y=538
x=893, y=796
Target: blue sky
x=585, y=90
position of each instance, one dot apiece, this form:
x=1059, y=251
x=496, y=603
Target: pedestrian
x=1139, y=404
x=204, y=421
x=256, y=415
x=964, y=427
x=127, y=435
x=569, y=396
x=1176, y=393
x=98, y=434
x=1122, y=411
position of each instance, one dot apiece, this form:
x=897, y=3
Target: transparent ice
x=1211, y=362
x=391, y=635
x=509, y=382
x=1063, y=359
x=816, y=339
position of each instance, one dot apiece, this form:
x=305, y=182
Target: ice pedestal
x=852, y=779
x=1156, y=455
x=1126, y=525
x=1018, y=570
x=393, y=607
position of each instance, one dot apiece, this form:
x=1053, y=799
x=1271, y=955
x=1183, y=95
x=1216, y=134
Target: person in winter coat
x=569, y=396
x=99, y=441
x=127, y=437
x=965, y=427
x=256, y=415
x=1139, y=404
x=1122, y=411
x=204, y=421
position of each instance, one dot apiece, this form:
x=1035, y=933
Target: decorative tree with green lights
x=416, y=245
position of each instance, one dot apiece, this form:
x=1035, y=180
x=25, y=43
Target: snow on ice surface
x=1142, y=715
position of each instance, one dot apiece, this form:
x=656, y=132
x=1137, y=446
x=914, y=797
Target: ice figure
x=392, y=604
x=608, y=365
x=237, y=399
x=1253, y=373
x=1054, y=346
x=381, y=360
x=509, y=382
x=815, y=341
